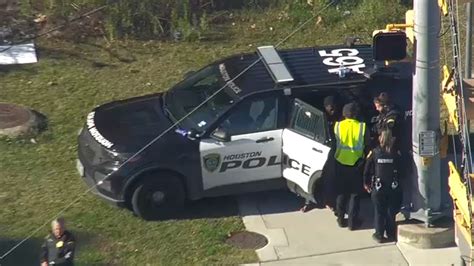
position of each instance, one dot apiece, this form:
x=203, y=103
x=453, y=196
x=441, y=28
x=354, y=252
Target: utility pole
x=426, y=197
x=468, y=63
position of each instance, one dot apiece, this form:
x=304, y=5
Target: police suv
x=265, y=130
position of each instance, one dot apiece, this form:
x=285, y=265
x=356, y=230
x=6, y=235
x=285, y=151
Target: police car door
x=245, y=147
x=304, y=145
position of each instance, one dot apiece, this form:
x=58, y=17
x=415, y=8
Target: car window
x=308, y=121
x=200, y=89
x=252, y=116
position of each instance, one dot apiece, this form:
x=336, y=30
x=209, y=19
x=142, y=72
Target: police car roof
x=309, y=67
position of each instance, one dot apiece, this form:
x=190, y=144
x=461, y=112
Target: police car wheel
x=158, y=198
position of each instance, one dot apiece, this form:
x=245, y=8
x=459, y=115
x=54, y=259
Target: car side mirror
x=220, y=135
x=188, y=74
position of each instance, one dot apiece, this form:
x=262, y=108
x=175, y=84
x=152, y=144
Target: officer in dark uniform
x=381, y=180
x=59, y=245
x=388, y=118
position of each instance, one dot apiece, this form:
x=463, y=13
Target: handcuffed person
x=351, y=140
x=59, y=245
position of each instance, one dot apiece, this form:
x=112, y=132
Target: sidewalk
x=313, y=238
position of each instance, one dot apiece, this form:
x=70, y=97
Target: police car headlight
x=122, y=157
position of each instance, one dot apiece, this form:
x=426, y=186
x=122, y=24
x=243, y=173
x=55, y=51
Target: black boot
x=377, y=237
x=341, y=222
x=354, y=224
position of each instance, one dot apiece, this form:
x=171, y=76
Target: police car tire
x=170, y=186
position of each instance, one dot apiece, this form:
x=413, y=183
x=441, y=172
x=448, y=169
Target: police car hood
x=132, y=123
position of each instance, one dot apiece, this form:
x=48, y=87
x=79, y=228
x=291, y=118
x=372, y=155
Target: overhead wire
x=166, y=131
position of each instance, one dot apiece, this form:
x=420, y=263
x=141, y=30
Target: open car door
x=305, y=148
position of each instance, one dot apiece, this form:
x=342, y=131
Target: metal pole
x=468, y=64
x=426, y=194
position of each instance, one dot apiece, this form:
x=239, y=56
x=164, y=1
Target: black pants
x=386, y=206
x=348, y=188
x=329, y=185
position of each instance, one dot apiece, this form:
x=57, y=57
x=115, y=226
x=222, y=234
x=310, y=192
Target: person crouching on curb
x=381, y=180
x=59, y=245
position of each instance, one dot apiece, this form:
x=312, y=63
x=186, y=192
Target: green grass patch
x=38, y=180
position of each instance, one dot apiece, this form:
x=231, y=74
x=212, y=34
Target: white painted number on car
x=342, y=57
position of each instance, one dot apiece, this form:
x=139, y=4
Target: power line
x=166, y=131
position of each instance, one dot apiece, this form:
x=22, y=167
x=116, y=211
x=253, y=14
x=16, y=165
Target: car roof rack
x=275, y=66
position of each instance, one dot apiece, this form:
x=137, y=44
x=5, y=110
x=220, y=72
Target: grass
x=38, y=180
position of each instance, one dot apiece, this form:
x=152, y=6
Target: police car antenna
x=164, y=132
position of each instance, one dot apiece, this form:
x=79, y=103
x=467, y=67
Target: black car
x=265, y=130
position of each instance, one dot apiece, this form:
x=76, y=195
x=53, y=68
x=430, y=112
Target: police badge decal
x=211, y=161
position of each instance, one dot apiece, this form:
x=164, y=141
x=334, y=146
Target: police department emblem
x=211, y=161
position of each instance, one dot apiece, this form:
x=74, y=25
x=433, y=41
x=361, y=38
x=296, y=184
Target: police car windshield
x=191, y=92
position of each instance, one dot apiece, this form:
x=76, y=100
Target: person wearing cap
x=351, y=139
x=59, y=245
x=388, y=118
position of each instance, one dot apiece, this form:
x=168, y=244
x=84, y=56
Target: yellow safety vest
x=350, y=141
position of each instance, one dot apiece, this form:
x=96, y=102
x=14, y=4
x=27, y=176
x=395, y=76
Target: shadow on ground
x=29, y=252
x=5, y=69
x=268, y=202
x=283, y=201
x=26, y=254
x=218, y=207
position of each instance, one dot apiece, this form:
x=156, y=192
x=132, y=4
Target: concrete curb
x=420, y=236
x=253, y=222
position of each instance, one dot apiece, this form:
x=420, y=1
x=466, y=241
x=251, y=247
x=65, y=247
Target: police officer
x=381, y=180
x=59, y=245
x=388, y=118
x=351, y=137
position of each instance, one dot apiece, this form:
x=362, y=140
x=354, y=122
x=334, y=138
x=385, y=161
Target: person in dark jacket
x=388, y=118
x=59, y=245
x=325, y=194
x=381, y=180
x=333, y=113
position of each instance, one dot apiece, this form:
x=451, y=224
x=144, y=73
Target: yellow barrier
x=459, y=194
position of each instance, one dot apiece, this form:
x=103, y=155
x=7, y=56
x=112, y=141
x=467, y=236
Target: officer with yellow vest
x=351, y=140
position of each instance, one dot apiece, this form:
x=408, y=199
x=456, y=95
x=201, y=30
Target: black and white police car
x=265, y=130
